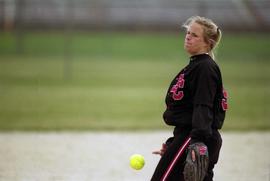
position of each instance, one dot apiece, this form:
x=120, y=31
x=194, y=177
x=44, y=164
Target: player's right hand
x=161, y=151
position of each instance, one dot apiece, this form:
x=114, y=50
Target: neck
x=199, y=53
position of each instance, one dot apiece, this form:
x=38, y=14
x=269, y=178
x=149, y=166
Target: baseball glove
x=196, y=162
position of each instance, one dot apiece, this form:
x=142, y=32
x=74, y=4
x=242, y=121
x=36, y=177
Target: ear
x=208, y=46
x=212, y=43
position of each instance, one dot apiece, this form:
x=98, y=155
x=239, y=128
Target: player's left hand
x=196, y=162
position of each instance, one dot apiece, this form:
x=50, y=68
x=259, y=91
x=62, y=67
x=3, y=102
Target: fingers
x=193, y=156
x=156, y=152
x=161, y=151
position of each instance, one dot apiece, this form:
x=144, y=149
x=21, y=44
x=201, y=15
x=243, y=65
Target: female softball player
x=196, y=103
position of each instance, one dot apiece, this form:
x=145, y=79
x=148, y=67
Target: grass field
x=117, y=81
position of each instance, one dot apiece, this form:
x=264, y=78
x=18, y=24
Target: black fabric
x=193, y=97
x=173, y=146
x=202, y=120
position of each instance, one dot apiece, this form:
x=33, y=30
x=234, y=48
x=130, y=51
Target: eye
x=191, y=33
x=194, y=35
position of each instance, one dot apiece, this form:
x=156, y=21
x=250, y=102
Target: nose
x=187, y=37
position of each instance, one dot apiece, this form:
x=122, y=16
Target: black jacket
x=191, y=96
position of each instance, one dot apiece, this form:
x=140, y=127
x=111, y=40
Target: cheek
x=203, y=43
x=200, y=43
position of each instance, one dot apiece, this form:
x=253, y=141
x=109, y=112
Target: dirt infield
x=104, y=156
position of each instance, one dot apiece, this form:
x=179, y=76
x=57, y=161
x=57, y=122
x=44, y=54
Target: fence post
x=18, y=26
x=68, y=53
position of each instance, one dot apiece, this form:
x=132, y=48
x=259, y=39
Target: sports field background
x=117, y=80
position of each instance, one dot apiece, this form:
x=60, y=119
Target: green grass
x=118, y=81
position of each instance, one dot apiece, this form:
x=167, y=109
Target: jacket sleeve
x=204, y=90
x=201, y=123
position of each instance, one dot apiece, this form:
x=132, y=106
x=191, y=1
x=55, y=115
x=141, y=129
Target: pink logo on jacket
x=176, y=93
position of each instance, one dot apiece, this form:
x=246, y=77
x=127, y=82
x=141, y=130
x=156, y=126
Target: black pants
x=171, y=164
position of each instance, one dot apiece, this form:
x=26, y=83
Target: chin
x=186, y=48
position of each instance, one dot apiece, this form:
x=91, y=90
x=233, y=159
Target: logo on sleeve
x=177, y=93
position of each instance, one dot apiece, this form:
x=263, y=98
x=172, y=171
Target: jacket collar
x=199, y=57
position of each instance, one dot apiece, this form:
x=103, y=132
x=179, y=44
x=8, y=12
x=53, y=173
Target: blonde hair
x=211, y=32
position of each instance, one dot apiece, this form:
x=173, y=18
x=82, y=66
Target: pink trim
x=180, y=152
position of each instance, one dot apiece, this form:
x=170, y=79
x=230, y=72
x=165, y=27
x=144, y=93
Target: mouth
x=187, y=43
